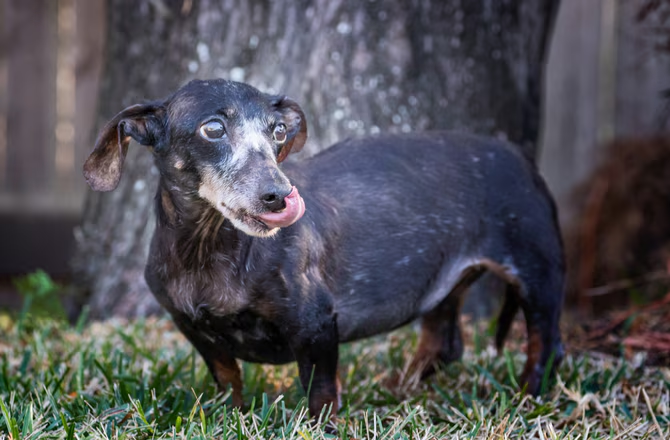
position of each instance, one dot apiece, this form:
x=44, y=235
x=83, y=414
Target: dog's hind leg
x=541, y=306
x=539, y=296
x=441, y=341
x=536, y=287
x=508, y=311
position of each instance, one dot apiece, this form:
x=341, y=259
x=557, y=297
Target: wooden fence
x=604, y=79
x=50, y=58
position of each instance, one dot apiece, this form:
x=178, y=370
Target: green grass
x=141, y=379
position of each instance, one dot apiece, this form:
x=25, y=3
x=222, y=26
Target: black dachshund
x=384, y=230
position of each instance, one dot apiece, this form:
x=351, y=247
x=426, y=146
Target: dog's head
x=219, y=141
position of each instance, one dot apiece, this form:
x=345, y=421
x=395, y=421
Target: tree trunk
x=355, y=67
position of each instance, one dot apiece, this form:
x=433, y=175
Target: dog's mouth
x=294, y=209
x=267, y=223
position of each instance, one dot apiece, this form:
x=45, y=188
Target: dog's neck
x=199, y=256
x=197, y=230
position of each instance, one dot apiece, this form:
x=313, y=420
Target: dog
x=275, y=264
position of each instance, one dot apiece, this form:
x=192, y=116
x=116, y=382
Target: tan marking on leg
x=533, y=352
x=325, y=398
x=229, y=373
x=320, y=399
x=430, y=344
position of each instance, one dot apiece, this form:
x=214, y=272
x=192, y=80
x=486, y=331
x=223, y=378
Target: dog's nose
x=274, y=200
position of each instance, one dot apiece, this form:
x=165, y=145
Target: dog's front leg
x=316, y=351
x=221, y=364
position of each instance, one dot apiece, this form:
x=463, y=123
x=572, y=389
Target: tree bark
x=355, y=67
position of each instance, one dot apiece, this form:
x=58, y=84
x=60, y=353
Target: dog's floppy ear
x=296, y=126
x=142, y=122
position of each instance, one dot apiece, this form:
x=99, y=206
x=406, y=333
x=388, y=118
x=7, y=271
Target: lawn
x=141, y=379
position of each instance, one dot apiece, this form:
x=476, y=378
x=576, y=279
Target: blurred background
x=582, y=85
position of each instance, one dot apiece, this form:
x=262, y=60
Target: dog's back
x=404, y=215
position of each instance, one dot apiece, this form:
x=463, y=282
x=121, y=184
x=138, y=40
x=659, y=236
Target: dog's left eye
x=212, y=130
x=279, y=133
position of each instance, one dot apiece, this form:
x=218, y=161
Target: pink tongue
x=295, y=208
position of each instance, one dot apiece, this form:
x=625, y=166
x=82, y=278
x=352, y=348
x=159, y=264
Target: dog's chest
x=246, y=336
x=214, y=289
x=217, y=305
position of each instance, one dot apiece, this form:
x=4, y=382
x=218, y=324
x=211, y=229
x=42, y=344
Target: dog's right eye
x=212, y=130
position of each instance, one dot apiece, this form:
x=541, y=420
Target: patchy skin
x=396, y=228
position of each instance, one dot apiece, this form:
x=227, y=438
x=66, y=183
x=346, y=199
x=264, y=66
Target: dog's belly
x=394, y=301
x=248, y=337
x=385, y=303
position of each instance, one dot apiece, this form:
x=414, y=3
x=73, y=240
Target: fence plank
x=4, y=38
x=90, y=41
x=31, y=93
x=571, y=96
x=643, y=72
